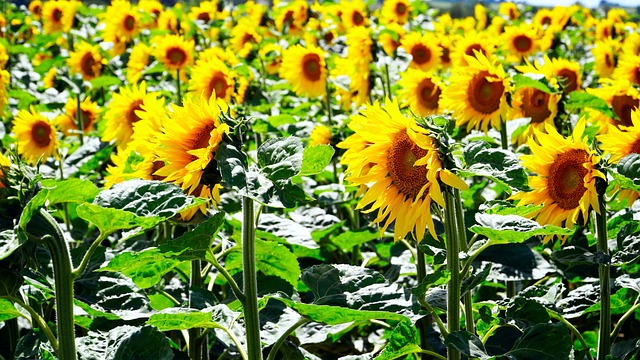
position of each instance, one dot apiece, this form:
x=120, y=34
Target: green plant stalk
x=439, y=323
x=604, y=339
x=63, y=280
x=453, y=265
x=276, y=347
x=80, y=120
x=67, y=219
x=87, y=256
x=178, y=87
x=327, y=101
x=462, y=237
x=250, y=305
x=234, y=286
x=573, y=330
x=504, y=142
x=435, y=355
x=624, y=318
x=35, y=317
x=195, y=281
x=421, y=267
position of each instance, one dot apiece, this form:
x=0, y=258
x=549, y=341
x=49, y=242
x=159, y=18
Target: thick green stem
x=462, y=237
x=453, y=265
x=80, y=120
x=504, y=141
x=250, y=305
x=178, y=87
x=195, y=281
x=283, y=337
x=87, y=256
x=63, y=280
x=573, y=330
x=327, y=102
x=604, y=339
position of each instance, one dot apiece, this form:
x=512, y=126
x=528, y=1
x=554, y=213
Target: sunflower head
x=471, y=43
x=395, y=11
x=138, y=61
x=57, y=16
x=421, y=90
x=35, y=7
x=86, y=60
x=564, y=180
x=604, y=54
x=521, y=41
x=68, y=122
x=509, y=10
x=5, y=78
x=425, y=52
x=212, y=77
x=124, y=111
x=568, y=74
x=623, y=99
x=391, y=37
x=623, y=140
x=354, y=13
x=175, y=52
x=628, y=69
x=36, y=136
x=320, y=135
x=244, y=38
x=305, y=69
x=537, y=105
x=399, y=163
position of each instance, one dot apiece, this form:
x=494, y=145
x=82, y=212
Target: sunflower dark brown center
x=132, y=117
x=566, y=178
x=37, y=10
x=357, y=18
x=41, y=133
x=622, y=106
x=202, y=139
x=402, y=155
x=57, y=15
x=248, y=38
x=87, y=119
x=176, y=56
x=87, y=63
x=219, y=85
x=570, y=79
x=328, y=37
x=485, y=96
x=635, y=147
x=204, y=16
x=429, y=94
x=401, y=8
x=535, y=104
x=608, y=60
x=421, y=54
x=311, y=67
x=636, y=75
x=522, y=43
x=546, y=20
x=446, y=55
x=129, y=23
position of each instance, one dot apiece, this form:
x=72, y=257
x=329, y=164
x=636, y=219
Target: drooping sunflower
x=67, y=122
x=124, y=111
x=86, y=60
x=189, y=141
x=36, y=135
x=138, y=61
x=395, y=11
x=565, y=178
x=628, y=69
x=424, y=50
x=400, y=164
x=57, y=16
x=520, y=41
x=623, y=99
x=210, y=77
x=604, y=54
x=477, y=94
x=174, y=52
x=305, y=69
x=421, y=90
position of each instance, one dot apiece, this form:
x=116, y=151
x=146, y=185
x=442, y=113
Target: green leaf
x=233, y=169
x=280, y=158
x=503, y=229
x=34, y=205
x=503, y=207
x=542, y=341
x=524, y=81
x=70, y=190
x=348, y=239
x=105, y=81
x=515, y=262
x=402, y=341
x=109, y=220
x=282, y=119
x=629, y=166
x=147, y=267
x=467, y=343
x=182, y=319
x=621, y=301
x=9, y=242
x=334, y=315
x=8, y=311
x=527, y=310
x=577, y=101
x=315, y=159
x=24, y=98
x=271, y=259
x=437, y=278
x=499, y=165
x=125, y=342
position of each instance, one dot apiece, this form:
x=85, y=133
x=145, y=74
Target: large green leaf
x=105, y=81
x=315, y=159
x=542, y=341
x=499, y=165
x=503, y=229
x=348, y=239
x=7, y=310
x=147, y=267
x=271, y=259
x=629, y=166
x=109, y=220
x=467, y=343
x=70, y=190
x=182, y=319
x=402, y=341
x=280, y=158
x=125, y=342
x=579, y=100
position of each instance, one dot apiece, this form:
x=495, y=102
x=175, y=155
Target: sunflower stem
x=573, y=330
x=35, y=317
x=386, y=72
x=276, y=347
x=462, y=237
x=80, y=120
x=67, y=220
x=604, y=338
x=327, y=102
x=421, y=267
x=250, y=304
x=195, y=281
x=504, y=138
x=178, y=87
x=453, y=265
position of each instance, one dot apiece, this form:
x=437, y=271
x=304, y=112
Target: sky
x=587, y=3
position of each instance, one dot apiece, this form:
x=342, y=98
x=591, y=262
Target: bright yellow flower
x=86, y=60
x=138, y=61
x=468, y=44
x=604, y=53
x=124, y=111
x=67, y=122
x=354, y=14
x=36, y=136
x=623, y=99
x=57, y=16
x=210, y=77
x=520, y=41
x=35, y=7
x=305, y=69
x=4, y=165
x=421, y=90
x=320, y=135
x=510, y=10
x=395, y=11
x=174, y=52
x=623, y=140
x=424, y=50
x=244, y=38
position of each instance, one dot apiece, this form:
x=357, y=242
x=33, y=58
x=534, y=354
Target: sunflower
x=305, y=69
x=211, y=77
x=174, y=52
x=604, y=30
x=543, y=17
x=168, y=20
x=124, y=111
x=356, y=67
x=510, y=10
x=291, y=19
x=565, y=177
x=623, y=99
x=5, y=78
x=520, y=41
x=153, y=9
x=4, y=56
x=477, y=94
x=205, y=12
x=421, y=90
x=36, y=136
x=569, y=73
x=86, y=60
x=537, y=105
x=189, y=141
x=57, y=16
x=480, y=14
x=628, y=69
x=138, y=61
x=4, y=164
x=123, y=18
x=604, y=54
x=35, y=8
x=424, y=50
x=320, y=135
x=395, y=11
x=272, y=55
x=623, y=140
x=49, y=80
x=631, y=44
x=391, y=37
x=67, y=122
x=468, y=44
x=400, y=164
x=244, y=38
x=354, y=14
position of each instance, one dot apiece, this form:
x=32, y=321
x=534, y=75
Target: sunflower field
x=348, y=179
